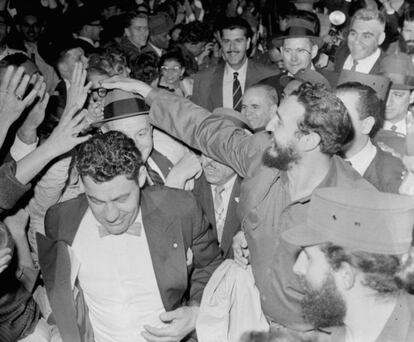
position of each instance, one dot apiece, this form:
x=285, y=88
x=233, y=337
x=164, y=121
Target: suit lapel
x=162, y=162
x=232, y=223
x=216, y=91
x=166, y=245
x=376, y=68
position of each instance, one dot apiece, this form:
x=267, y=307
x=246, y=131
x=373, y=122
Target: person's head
x=136, y=28
x=297, y=54
x=171, y=68
x=407, y=32
x=355, y=244
x=4, y=27
x=216, y=173
x=235, y=41
x=67, y=53
x=311, y=120
x=30, y=26
x=144, y=67
x=20, y=59
x=111, y=170
x=398, y=102
x=259, y=105
x=364, y=108
x=366, y=33
x=194, y=36
x=111, y=60
x=160, y=25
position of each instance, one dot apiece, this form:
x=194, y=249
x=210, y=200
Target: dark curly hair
x=381, y=272
x=326, y=115
x=195, y=32
x=105, y=156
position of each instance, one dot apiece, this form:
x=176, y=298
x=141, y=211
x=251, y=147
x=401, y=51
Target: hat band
x=122, y=108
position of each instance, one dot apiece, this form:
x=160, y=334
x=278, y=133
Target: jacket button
x=175, y=245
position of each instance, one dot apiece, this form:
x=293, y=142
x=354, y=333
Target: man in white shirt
x=121, y=263
x=362, y=52
x=215, y=86
x=380, y=168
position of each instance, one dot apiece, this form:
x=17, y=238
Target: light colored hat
x=299, y=28
x=369, y=221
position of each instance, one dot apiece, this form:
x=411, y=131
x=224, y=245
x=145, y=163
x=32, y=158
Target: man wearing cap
x=159, y=25
x=380, y=168
x=356, y=264
x=298, y=47
x=259, y=105
x=362, y=52
x=120, y=263
x=223, y=85
x=281, y=168
x=87, y=29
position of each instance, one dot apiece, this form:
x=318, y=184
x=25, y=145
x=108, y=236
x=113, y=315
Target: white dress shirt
x=361, y=161
x=401, y=126
x=118, y=280
x=364, y=65
x=228, y=188
x=228, y=83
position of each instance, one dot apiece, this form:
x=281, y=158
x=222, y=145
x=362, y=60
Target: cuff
x=20, y=149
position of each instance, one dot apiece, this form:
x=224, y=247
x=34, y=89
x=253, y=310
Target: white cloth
x=228, y=83
x=230, y=305
x=20, y=149
x=157, y=50
x=228, y=188
x=363, y=158
x=168, y=146
x=401, y=126
x=118, y=280
x=364, y=65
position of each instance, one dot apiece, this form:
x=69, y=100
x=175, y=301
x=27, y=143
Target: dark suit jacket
x=342, y=54
x=385, y=172
x=208, y=84
x=173, y=223
x=87, y=47
x=202, y=192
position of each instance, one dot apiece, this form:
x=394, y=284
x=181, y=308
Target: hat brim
x=278, y=41
x=303, y=235
x=402, y=87
x=103, y=121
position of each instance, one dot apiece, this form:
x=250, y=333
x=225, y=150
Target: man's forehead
x=367, y=26
x=233, y=33
x=292, y=43
x=141, y=22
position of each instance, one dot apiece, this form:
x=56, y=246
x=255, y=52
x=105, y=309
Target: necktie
x=354, y=65
x=219, y=210
x=154, y=176
x=393, y=128
x=134, y=229
x=237, y=92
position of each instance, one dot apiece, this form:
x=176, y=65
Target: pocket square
x=189, y=256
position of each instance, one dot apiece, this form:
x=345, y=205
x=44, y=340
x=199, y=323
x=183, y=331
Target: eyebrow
x=112, y=199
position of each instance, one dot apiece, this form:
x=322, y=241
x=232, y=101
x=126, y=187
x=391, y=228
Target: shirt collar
x=401, y=126
x=363, y=158
x=229, y=70
x=367, y=63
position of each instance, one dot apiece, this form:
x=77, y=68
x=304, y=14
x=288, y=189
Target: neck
x=368, y=308
x=398, y=118
x=357, y=146
x=305, y=176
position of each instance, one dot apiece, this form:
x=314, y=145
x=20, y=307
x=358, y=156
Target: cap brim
x=402, y=87
x=101, y=122
x=303, y=235
x=278, y=41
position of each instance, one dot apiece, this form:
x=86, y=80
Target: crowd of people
x=205, y=170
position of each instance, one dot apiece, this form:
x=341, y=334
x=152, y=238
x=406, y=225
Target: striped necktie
x=154, y=175
x=237, y=92
x=219, y=210
x=354, y=65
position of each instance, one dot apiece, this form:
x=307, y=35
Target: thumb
x=168, y=316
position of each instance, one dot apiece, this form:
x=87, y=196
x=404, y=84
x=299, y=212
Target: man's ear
x=367, y=125
x=314, y=51
x=381, y=38
x=273, y=110
x=127, y=32
x=310, y=141
x=142, y=176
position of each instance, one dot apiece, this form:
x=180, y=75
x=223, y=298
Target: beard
x=324, y=307
x=282, y=158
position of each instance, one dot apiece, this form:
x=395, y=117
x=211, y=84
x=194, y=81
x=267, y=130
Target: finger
x=5, y=260
x=5, y=251
x=45, y=100
x=32, y=95
x=160, y=332
x=2, y=268
x=21, y=88
x=151, y=338
x=240, y=263
x=75, y=74
x=42, y=91
x=6, y=78
x=77, y=119
x=15, y=80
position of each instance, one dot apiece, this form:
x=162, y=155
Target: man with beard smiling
x=215, y=86
x=281, y=168
x=356, y=264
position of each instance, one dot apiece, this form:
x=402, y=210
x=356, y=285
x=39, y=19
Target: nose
x=294, y=56
x=299, y=268
x=111, y=213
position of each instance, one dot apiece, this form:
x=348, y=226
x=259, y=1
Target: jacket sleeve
x=212, y=134
x=206, y=255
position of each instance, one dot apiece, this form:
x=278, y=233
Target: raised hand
x=78, y=90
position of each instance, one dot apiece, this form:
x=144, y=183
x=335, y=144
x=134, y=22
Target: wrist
x=27, y=134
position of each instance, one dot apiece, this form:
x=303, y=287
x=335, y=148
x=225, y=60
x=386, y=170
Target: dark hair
x=112, y=61
x=382, y=273
x=130, y=16
x=368, y=105
x=195, y=32
x=232, y=23
x=144, y=67
x=106, y=156
x=15, y=59
x=326, y=115
x=175, y=55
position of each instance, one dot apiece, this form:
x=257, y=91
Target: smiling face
x=257, y=107
x=171, y=72
x=297, y=54
x=115, y=203
x=364, y=38
x=235, y=45
x=30, y=28
x=285, y=152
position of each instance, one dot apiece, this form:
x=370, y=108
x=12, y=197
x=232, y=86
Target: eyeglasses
x=101, y=92
x=175, y=68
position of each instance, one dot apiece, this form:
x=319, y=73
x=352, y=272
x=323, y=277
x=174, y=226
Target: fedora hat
x=298, y=28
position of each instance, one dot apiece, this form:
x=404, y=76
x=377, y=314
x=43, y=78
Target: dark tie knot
x=235, y=75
